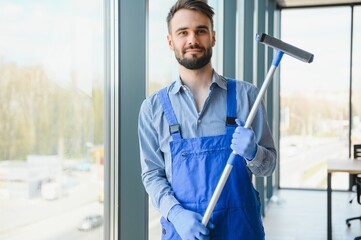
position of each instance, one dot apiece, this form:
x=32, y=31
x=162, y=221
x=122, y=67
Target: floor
x=296, y=215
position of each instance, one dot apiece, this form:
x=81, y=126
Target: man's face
x=191, y=38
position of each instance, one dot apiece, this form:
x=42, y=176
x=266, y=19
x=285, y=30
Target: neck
x=197, y=79
x=198, y=82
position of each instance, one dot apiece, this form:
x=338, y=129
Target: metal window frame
x=125, y=202
x=111, y=119
x=133, y=201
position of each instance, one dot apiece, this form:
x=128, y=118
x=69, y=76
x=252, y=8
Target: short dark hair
x=195, y=5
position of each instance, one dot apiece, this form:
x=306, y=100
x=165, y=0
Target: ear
x=213, y=38
x=170, y=42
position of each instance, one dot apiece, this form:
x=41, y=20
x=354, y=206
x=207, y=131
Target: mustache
x=193, y=47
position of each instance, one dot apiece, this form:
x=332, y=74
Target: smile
x=194, y=50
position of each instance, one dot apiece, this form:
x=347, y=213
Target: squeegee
x=281, y=48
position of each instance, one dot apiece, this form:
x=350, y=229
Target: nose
x=192, y=39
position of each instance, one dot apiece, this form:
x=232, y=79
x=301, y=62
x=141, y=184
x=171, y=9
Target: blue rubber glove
x=188, y=224
x=244, y=142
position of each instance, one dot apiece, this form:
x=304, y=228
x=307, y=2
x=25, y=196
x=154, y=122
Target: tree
x=38, y=116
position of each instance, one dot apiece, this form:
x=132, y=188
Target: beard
x=194, y=62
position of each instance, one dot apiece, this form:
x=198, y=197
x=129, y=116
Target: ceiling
x=307, y=3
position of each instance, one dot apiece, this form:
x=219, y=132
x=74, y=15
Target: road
x=58, y=227
x=303, y=160
x=40, y=219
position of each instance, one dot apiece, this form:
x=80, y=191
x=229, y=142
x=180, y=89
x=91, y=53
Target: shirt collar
x=176, y=86
x=216, y=80
x=219, y=80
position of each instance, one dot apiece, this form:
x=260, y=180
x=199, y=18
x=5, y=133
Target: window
x=315, y=97
x=51, y=114
x=356, y=80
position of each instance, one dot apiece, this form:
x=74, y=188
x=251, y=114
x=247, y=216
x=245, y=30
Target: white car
x=90, y=222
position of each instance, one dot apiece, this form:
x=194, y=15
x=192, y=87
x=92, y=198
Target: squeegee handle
x=217, y=192
x=227, y=170
x=263, y=89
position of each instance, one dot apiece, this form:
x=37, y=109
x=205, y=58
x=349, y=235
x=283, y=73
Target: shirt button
x=199, y=121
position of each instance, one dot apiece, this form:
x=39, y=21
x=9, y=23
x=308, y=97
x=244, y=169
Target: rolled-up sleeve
x=264, y=162
x=152, y=161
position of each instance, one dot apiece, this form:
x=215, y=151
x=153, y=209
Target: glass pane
x=356, y=79
x=51, y=114
x=314, y=97
x=163, y=67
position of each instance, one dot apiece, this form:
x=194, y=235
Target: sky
x=65, y=37
x=325, y=33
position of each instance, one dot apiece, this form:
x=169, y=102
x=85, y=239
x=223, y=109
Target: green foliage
x=38, y=116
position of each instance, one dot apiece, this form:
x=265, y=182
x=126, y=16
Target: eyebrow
x=198, y=27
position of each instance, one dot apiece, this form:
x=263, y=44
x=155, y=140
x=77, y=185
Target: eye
x=182, y=33
x=202, y=31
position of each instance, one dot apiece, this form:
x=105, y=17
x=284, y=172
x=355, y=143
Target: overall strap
x=231, y=105
x=174, y=127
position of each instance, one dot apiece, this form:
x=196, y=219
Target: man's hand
x=244, y=142
x=188, y=224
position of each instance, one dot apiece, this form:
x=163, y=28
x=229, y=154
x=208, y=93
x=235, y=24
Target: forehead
x=189, y=19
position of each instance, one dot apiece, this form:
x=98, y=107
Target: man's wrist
x=253, y=155
x=174, y=211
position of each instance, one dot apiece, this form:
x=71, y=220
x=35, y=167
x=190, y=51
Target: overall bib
x=197, y=165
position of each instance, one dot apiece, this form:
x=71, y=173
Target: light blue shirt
x=154, y=136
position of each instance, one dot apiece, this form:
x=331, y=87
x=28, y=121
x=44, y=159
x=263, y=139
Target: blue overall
x=197, y=164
